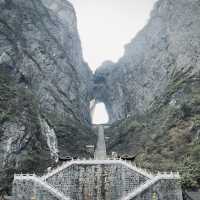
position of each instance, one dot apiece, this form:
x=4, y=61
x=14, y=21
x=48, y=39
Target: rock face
x=168, y=44
x=23, y=146
x=154, y=91
x=45, y=86
x=44, y=48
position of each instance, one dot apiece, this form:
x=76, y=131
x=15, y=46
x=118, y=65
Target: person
x=33, y=198
x=155, y=196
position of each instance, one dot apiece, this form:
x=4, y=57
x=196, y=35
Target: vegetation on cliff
x=19, y=124
x=167, y=137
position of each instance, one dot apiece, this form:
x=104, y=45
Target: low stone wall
x=109, y=181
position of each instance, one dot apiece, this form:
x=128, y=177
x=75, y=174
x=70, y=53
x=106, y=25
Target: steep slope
x=167, y=136
x=154, y=91
x=45, y=86
x=23, y=147
x=168, y=44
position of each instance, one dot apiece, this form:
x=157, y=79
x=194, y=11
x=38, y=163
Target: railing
x=186, y=196
x=104, y=125
x=151, y=182
x=49, y=188
x=98, y=162
x=152, y=179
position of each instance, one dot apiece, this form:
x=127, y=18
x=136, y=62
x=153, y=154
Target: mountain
x=45, y=87
x=167, y=45
x=152, y=93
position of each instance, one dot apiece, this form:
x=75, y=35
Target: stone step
x=149, y=183
x=97, y=162
x=46, y=185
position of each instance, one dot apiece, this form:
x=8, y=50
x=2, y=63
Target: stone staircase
x=78, y=179
x=191, y=195
x=97, y=162
x=42, y=184
x=149, y=183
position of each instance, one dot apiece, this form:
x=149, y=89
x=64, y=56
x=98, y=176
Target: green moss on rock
x=167, y=136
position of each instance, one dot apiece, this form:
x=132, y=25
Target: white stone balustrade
x=130, y=187
x=150, y=182
x=96, y=162
x=44, y=184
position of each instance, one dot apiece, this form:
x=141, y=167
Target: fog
x=105, y=26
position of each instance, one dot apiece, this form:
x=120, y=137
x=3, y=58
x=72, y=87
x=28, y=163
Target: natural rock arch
x=98, y=108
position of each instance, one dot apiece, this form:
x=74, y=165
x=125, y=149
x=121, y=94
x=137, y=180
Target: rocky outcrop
x=45, y=86
x=44, y=48
x=154, y=93
x=166, y=46
x=23, y=147
x=167, y=137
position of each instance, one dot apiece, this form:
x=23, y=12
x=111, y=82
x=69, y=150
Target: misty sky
x=105, y=26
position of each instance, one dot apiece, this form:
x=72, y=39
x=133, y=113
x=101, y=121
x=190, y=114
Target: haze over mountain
x=152, y=93
x=106, y=26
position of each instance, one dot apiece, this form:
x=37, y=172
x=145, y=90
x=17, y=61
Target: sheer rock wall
x=168, y=45
x=44, y=82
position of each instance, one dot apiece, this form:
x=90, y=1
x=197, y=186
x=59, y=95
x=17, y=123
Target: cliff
x=167, y=45
x=45, y=86
x=152, y=94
